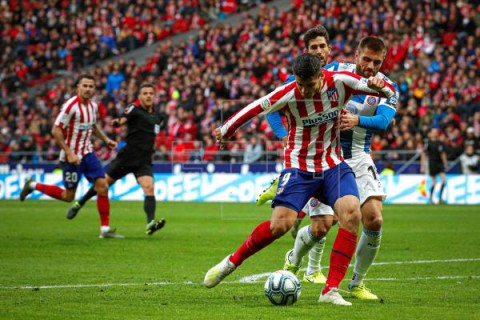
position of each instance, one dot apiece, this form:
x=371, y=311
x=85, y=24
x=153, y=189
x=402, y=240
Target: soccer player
x=313, y=163
x=72, y=131
x=435, y=152
x=143, y=125
x=364, y=115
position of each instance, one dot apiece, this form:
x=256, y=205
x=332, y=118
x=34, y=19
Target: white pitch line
x=256, y=278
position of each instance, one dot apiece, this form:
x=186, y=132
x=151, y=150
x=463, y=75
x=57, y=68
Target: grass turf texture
x=40, y=247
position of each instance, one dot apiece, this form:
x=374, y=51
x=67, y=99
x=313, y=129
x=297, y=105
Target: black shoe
x=74, y=209
x=26, y=190
x=154, y=226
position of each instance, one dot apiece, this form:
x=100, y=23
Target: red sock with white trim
x=103, y=206
x=260, y=238
x=342, y=252
x=51, y=191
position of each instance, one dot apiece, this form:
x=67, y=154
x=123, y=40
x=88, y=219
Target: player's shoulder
x=290, y=78
x=70, y=103
x=130, y=109
x=340, y=66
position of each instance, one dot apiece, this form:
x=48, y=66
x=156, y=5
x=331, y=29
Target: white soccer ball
x=282, y=288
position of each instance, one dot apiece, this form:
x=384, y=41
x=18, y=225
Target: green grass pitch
x=52, y=268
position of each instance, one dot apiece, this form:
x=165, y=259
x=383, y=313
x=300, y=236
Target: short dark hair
x=373, y=43
x=307, y=66
x=318, y=31
x=145, y=85
x=84, y=76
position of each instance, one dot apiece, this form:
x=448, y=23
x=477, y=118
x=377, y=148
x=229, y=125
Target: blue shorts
x=296, y=187
x=89, y=166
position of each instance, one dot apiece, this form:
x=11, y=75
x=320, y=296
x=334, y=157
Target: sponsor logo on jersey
x=332, y=94
x=392, y=100
x=371, y=100
x=321, y=118
x=265, y=104
x=85, y=127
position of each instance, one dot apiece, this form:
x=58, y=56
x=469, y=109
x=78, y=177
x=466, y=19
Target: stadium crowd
x=433, y=55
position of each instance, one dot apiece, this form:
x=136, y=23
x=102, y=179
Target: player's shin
x=367, y=249
x=87, y=196
x=315, y=257
x=342, y=252
x=261, y=237
x=149, y=206
x=50, y=190
x=103, y=206
x=303, y=243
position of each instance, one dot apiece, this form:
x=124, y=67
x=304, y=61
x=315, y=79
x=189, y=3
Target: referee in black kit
x=435, y=150
x=143, y=125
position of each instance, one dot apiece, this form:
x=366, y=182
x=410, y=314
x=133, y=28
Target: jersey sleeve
x=378, y=122
x=64, y=116
x=275, y=120
x=274, y=101
x=332, y=66
x=129, y=112
x=356, y=85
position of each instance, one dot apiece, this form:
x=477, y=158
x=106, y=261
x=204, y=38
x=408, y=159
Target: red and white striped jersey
x=313, y=133
x=76, y=120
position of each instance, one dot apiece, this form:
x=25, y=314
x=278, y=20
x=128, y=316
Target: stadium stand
x=434, y=56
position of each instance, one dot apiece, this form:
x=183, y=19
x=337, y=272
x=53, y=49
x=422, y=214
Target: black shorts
x=120, y=168
x=435, y=168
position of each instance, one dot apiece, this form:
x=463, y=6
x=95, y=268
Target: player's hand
x=285, y=141
x=115, y=123
x=72, y=158
x=348, y=120
x=218, y=137
x=112, y=145
x=376, y=83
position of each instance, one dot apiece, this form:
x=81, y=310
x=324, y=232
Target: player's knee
x=102, y=188
x=280, y=227
x=318, y=232
x=374, y=223
x=148, y=189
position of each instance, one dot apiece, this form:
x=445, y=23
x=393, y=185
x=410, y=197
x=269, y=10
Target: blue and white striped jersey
x=375, y=114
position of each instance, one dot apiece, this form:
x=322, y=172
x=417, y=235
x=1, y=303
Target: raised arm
x=356, y=85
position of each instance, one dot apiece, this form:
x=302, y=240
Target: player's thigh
x=282, y=220
x=368, y=180
x=92, y=168
x=118, y=169
x=295, y=187
x=71, y=176
x=339, y=182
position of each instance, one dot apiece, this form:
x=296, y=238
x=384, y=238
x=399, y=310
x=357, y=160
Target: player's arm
x=272, y=102
x=116, y=123
x=379, y=122
x=356, y=85
x=444, y=158
x=112, y=145
x=275, y=120
x=57, y=133
x=61, y=123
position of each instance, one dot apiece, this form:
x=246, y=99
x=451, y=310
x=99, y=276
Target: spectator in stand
x=253, y=151
x=470, y=161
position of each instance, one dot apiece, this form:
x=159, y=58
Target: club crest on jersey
x=265, y=104
x=314, y=203
x=371, y=100
x=332, y=94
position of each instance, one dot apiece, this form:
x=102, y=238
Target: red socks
x=342, y=252
x=49, y=190
x=260, y=238
x=103, y=206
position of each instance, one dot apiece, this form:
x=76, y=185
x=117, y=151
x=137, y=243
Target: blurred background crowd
x=433, y=55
